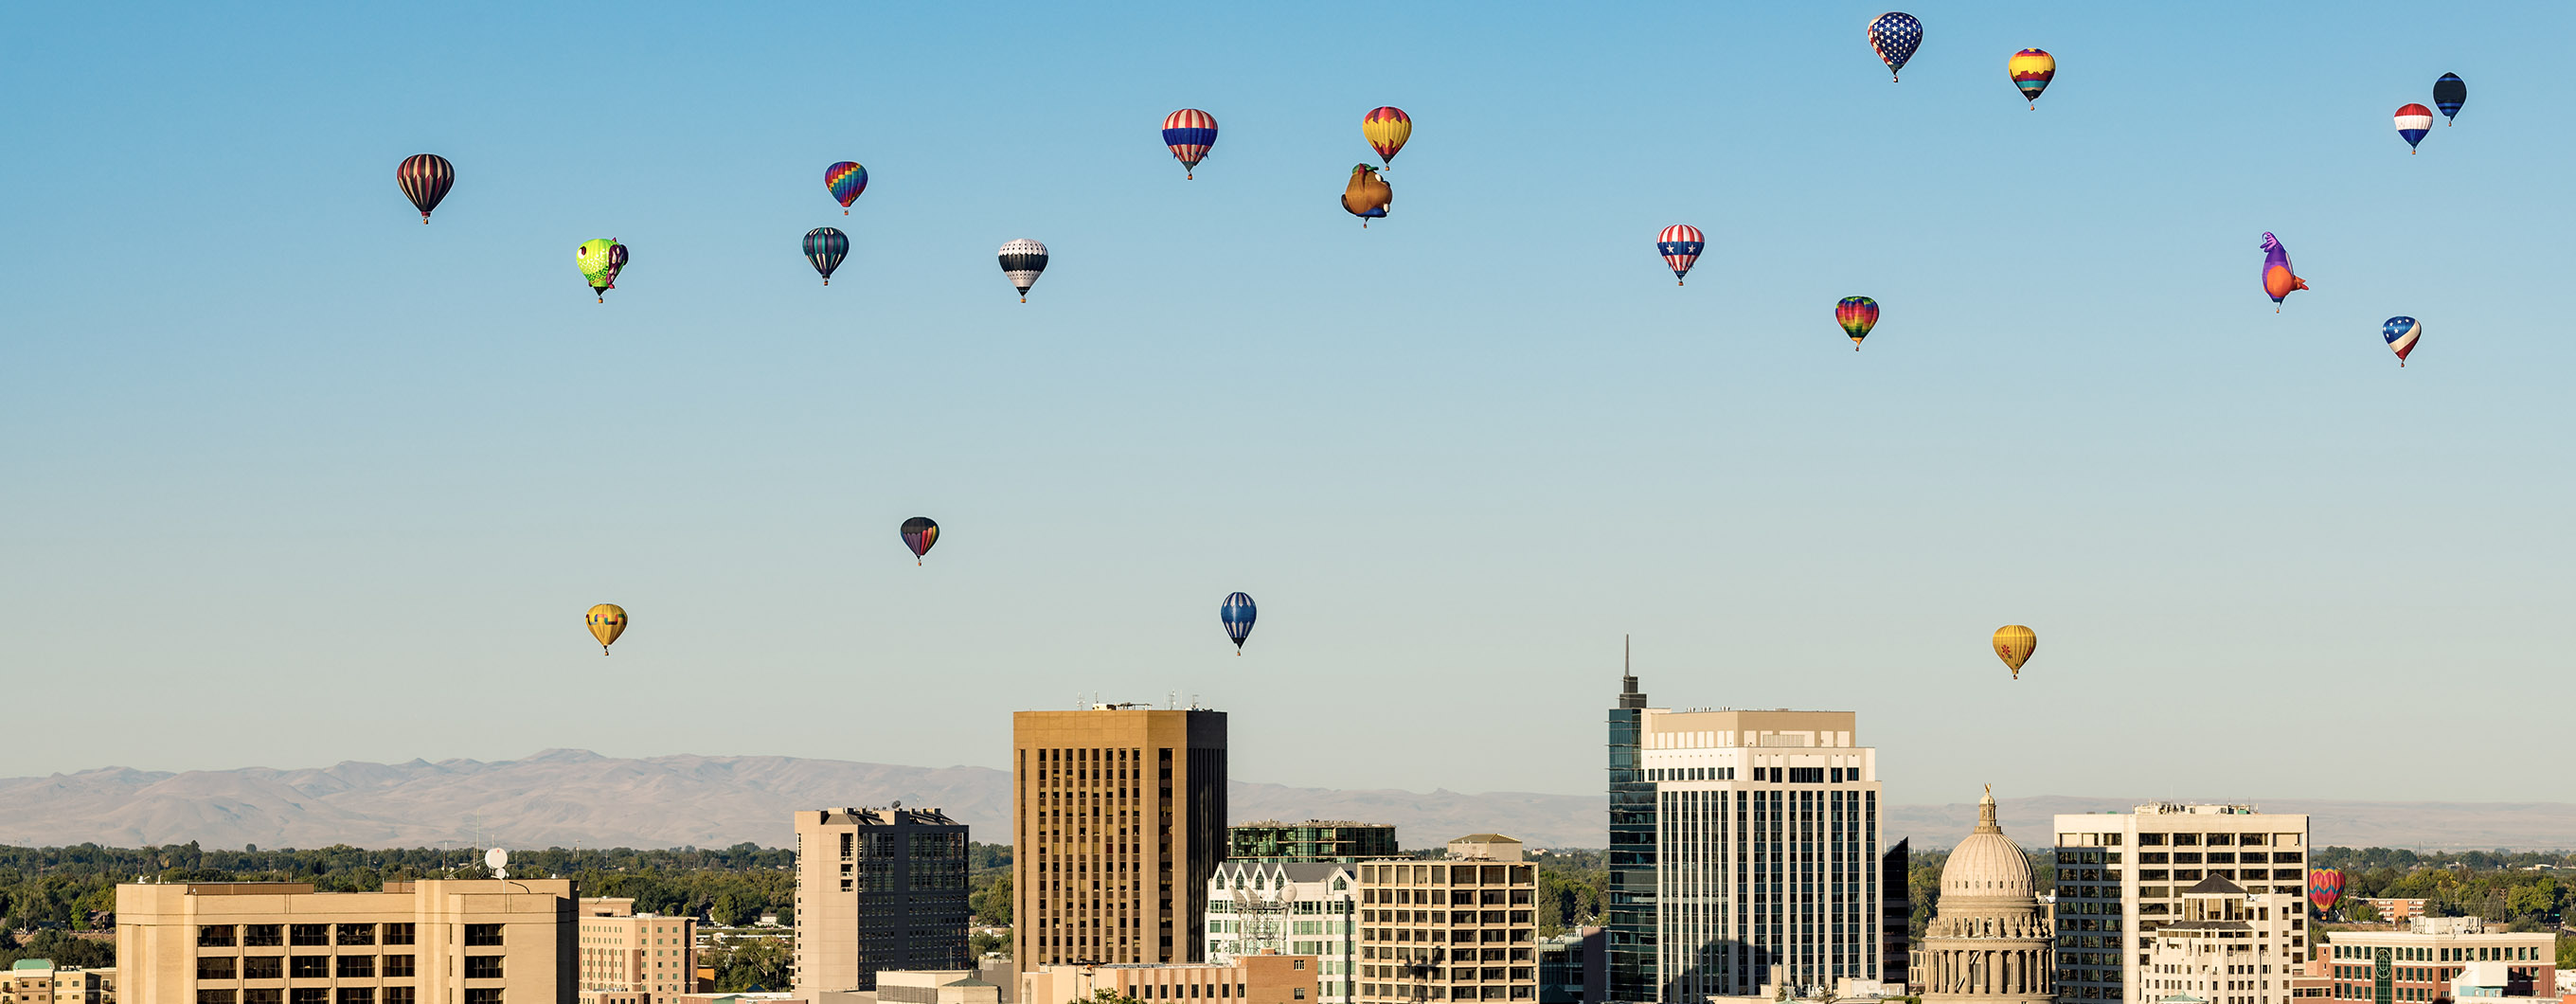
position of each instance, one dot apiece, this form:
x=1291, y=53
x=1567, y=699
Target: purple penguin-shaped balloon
x=2278, y=278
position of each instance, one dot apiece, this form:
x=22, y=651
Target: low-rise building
x=2422, y=962
x=1570, y=967
x=1244, y=979
x=2228, y=945
x=1462, y=927
x=436, y=941
x=628, y=951
x=2394, y=910
x=37, y=981
x=1305, y=908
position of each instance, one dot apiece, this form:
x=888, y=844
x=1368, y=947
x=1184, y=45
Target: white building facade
x=1290, y=909
x=2121, y=877
x=2227, y=946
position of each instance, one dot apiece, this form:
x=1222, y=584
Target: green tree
x=979, y=943
x=991, y=901
x=749, y=963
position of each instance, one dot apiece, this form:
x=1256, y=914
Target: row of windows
x=341, y=995
x=2182, y=839
x=274, y=935
x=1390, y=991
x=2464, y=953
x=311, y=967
x=1441, y=874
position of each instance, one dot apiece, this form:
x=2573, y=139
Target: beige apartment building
x=1456, y=929
x=2123, y=876
x=2442, y=958
x=1118, y=822
x=439, y=941
x=640, y=952
x=2227, y=945
x=1247, y=979
x=877, y=889
x=36, y=981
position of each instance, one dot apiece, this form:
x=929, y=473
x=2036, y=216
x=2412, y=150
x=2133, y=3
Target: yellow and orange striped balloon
x=607, y=621
x=1387, y=129
x=2014, y=644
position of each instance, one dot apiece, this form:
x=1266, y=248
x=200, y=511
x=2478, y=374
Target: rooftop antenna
x=499, y=861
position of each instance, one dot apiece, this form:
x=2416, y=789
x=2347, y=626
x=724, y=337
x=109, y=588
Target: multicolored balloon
x=2413, y=121
x=1368, y=196
x=425, y=179
x=1022, y=260
x=2014, y=644
x=2449, y=93
x=1894, y=36
x=2401, y=333
x=607, y=621
x=1387, y=130
x=2279, y=279
x=825, y=247
x=1680, y=244
x=2325, y=888
x=846, y=180
x=600, y=261
x=1857, y=314
x=2031, y=71
x=918, y=534
x=1189, y=132
x=1238, y=613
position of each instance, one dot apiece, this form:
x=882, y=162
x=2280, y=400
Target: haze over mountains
x=568, y=797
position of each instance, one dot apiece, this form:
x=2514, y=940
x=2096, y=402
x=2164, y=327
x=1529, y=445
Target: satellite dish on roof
x=499, y=861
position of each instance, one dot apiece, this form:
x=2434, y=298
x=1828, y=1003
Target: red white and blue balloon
x=2401, y=333
x=1680, y=244
x=1894, y=36
x=2412, y=122
x=1190, y=133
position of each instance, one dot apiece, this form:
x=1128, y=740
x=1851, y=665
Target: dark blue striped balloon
x=1238, y=613
x=2449, y=93
x=825, y=247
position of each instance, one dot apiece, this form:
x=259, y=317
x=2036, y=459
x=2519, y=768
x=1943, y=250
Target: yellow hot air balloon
x=607, y=621
x=2014, y=644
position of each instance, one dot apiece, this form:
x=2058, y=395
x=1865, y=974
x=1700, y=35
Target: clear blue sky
x=280, y=459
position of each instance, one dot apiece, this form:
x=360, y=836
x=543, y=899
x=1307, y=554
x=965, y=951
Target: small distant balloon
x=2014, y=644
x=2413, y=121
x=2449, y=93
x=425, y=179
x=1022, y=260
x=825, y=247
x=1387, y=130
x=1680, y=244
x=2279, y=279
x=600, y=261
x=1894, y=36
x=846, y=180
x=1190, y=133
x=1856, y=314
x=1238, y=614
x=607, y=621
x=918, y=534
x=2401, y=333
x=2031, y=70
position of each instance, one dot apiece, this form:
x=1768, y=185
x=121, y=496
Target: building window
x=482, y=967
x=309, y=967
x=214, y=997
x=398, y=934
x=215, y=967
x=263, y=967
x=482, y=935
x=310, y=995
x=357, y=934
x=264, y=935
x=357, y=967
x=357, y=995
x=1297, y=993
x=400, y=995
x=215, y=936
x=309, y=934
x=265, y=995
x=398, y=966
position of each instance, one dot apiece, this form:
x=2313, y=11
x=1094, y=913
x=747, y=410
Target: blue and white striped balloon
x=1238, y=613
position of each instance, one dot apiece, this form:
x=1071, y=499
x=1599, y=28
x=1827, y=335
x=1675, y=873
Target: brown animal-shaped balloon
x=1368, y=194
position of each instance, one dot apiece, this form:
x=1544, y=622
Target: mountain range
x=576, y=797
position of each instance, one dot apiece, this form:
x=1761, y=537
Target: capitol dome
x=1987, y=865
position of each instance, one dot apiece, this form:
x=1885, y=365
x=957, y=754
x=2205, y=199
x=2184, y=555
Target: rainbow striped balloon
x=846, y=180
x=2031, y=71
x=1857, y=314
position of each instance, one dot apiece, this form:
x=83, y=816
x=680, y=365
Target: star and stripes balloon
x=1238, y=614
x=1856, y=314
x=1022, y=260
x=1680, y=244
x=2449, y=93
x=846, y=180
x=2412, y=122
x=825, y=247
x=1189, y=132
x=2401, y=333
x=425, y=179
x=2031, y=70
x=1894, y=36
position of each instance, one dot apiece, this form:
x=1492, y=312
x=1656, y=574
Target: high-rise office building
x=1463, y=927
x=2122, y=876
x=1743, y=852
x=639, y=952
x=1896, y=916
x=1335, y=840
x=1118, y=822
x=877, y=889
x=1301, y=908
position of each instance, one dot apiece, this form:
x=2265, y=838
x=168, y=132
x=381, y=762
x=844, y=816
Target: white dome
x=1987, y=865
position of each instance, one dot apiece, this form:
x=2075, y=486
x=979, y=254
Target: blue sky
x=279, y=457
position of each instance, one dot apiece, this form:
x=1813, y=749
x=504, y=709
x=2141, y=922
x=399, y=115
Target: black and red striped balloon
x=425, y=179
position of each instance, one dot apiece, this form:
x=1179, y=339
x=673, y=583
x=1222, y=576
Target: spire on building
x=1629, y=697
x=1986, y=813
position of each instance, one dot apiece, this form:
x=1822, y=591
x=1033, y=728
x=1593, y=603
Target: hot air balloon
x=846, y=180
x=1189, y=132
x=1387, y=128
x=1237, y=613
x=1894, y=36
x=2449, y=93
x=2412, y=122
x=2014, y=644
x=2401, y=333
x=600, y=261
x=1857, y=314
x=2279, y=280
x=2031, y=71
x=425, y=179
x=2325, y=888
x=1680, y=244
x=1368, y=196
x=918, y=534
x=1022, y=260
x=825, y=247
x=607, y=621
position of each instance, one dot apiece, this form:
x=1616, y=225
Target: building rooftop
x=2215, y=886
x=1312, y=822
x=32, y=964
x=883, y=817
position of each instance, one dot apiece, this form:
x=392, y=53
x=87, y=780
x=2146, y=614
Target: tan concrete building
x=2228, y=945
x=945, y=986
x=443, y=941
x=2442, y=958
x=1248, y=979
x=629, y=951
x=877, y=889
x=2121, y=876
x=1459, y=928
x=1118, y=822
x=36, y=981
x=1988, y=942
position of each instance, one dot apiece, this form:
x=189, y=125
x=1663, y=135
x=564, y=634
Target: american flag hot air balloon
x=2401, y=333
x=1680, y=244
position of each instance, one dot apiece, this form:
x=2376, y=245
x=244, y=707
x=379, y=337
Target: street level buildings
x=2430, y=959
x=1336, y=840
x=622, y=950
x=2227, y=945
x=2121, y=876
x=438, y=941
x=1463, y=927
x=1988, y=942
x=1743, y=853
x=1305, y=908
x=37, y=981
x=1118, y=823
x=1244, y=979
x=877, y=889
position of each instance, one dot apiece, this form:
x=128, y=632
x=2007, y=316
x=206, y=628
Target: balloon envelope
x=600, y=261
x=2031, y=70
x=2449, y=93
x=1190, y=133
x=2412, y=122
x=1238, y=614
x=2014, y=644
x=1894, y=36
x=1856, y=314
x=918, y=534
x=1680, y=244
x=1387, y=129
x=425, y=179
x=2280, y=279
x=1022, y=260
x=2325, y=887
x=607, y=621
x=846, y=180
x=825, y=247
x=2401, y=333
